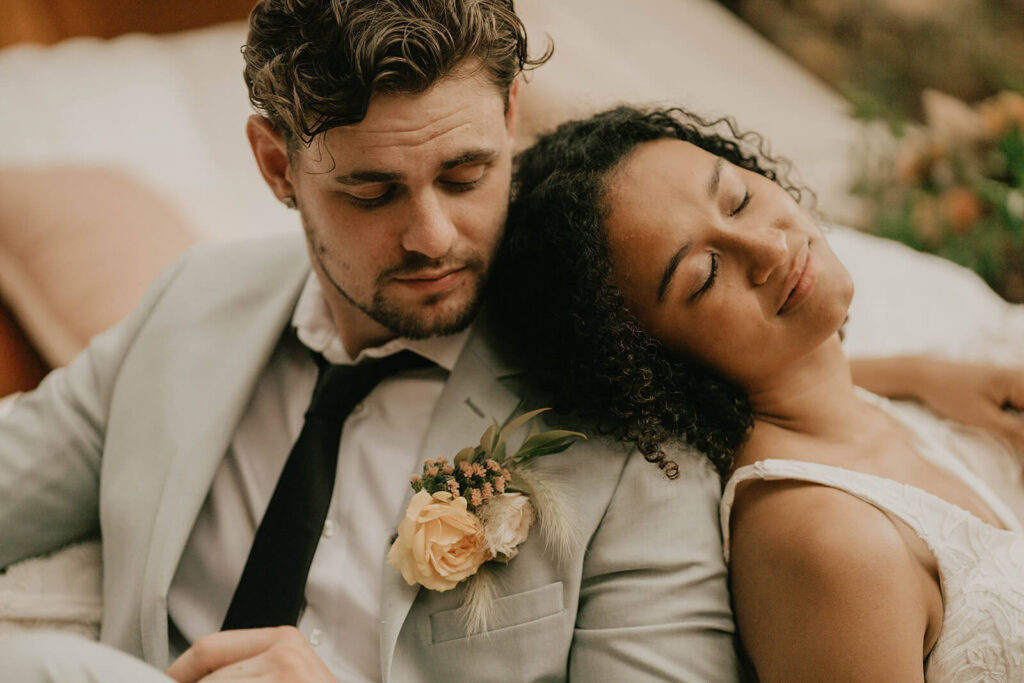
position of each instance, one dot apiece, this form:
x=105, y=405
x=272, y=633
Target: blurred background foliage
x=882, y=54
x=945, y=80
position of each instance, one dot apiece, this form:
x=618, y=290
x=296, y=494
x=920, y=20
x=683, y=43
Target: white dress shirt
x=380, y=448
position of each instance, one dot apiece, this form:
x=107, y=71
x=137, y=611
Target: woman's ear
x=271, y=152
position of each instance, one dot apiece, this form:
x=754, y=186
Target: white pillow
x=167, y=110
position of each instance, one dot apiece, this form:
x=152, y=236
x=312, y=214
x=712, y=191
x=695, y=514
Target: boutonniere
x=478, y=508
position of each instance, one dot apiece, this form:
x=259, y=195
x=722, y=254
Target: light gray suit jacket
x=127, y=438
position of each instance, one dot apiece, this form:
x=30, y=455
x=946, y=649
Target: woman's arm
x=986, y=396
x=825, y=588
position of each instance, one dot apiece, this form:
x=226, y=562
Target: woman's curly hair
x=313, y=65
x=552, y=288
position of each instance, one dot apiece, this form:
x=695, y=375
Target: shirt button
x=329, y=528
x=315, y=637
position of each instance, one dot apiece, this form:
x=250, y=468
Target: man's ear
x=271, y=152
x=512, y=110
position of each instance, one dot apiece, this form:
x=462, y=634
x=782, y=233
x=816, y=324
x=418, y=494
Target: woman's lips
x=428, y=283
x=808, y=274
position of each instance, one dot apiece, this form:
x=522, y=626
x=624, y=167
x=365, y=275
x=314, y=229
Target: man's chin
x=433, y=316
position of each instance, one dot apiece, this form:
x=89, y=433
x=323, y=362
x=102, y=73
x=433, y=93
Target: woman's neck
x=813, y=397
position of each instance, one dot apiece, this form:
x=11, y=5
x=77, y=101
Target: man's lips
x=431, y=282
x=800, y=281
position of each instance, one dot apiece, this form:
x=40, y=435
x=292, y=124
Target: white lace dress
x=981, y=567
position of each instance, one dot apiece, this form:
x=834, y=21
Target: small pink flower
x=453, y=487
x=432, y=471
x=499, y=485
x=415, y=479
x=448, y=469
x=487, y=490
x=475, y=498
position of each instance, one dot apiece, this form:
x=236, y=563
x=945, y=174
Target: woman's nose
x=765, y=249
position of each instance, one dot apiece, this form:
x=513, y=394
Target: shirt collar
x=315, y=329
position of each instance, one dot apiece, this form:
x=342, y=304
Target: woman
x=664, y=279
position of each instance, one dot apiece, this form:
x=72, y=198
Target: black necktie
x=272, y=589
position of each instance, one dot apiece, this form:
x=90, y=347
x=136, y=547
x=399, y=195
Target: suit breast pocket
x=509, y=611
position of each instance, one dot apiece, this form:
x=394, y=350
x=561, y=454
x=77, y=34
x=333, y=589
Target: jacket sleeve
x=654, y=603
x=51, y=443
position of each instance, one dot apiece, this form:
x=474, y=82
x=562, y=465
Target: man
x=387, y=124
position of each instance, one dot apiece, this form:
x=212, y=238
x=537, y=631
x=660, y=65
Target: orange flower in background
x=962, y=209
x=1002, y=112
x=909, y=162
x=440, y=543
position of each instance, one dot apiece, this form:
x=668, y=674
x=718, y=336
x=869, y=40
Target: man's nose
x=430, y=230
x=765, y=249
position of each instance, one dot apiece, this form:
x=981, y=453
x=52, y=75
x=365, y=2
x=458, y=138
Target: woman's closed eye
x=709, y=280
x=747, y=196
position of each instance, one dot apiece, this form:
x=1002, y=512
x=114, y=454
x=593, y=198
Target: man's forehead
x=406, y=131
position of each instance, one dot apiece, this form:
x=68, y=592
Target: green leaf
x=544, y=438
x=514, y=424
x=487, y=439
x=546, y=443
x=467, y=454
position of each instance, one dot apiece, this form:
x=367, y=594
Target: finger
x=1015, y=394
x=283, y=661
x=217, y=650
x=1010, y=425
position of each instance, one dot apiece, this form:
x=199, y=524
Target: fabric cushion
x=78, y=246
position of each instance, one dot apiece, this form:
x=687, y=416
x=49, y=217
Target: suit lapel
x=220, y=386
x=473, y=397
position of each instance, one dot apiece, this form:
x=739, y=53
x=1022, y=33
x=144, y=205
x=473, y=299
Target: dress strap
x=909, y=504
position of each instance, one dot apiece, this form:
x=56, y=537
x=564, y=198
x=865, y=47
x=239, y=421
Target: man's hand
x=986, y=396
x=268, y=654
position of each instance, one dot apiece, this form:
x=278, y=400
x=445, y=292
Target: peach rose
x=439, y=542
x=507, y=520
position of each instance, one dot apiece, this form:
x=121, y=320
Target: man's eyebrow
x=473, y=156
x=670, y=270
x=716, y=176
x=360, y=177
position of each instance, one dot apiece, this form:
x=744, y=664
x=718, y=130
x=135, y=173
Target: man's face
x=403, y=211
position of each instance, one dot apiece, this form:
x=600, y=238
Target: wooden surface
x=21, y=368
x=48, y=21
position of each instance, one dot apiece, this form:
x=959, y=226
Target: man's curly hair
x=552, y=288
x=313, y=65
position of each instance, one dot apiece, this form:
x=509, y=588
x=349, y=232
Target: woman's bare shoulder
x=807, y=557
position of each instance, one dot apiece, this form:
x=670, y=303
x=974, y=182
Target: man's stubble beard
x=403, y=322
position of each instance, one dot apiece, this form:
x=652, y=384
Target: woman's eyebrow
x=670, y=270
x=716, y=177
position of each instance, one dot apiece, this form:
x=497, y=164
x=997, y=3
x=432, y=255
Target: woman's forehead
x=654, y=184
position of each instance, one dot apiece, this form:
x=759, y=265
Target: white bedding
x=170, y=111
